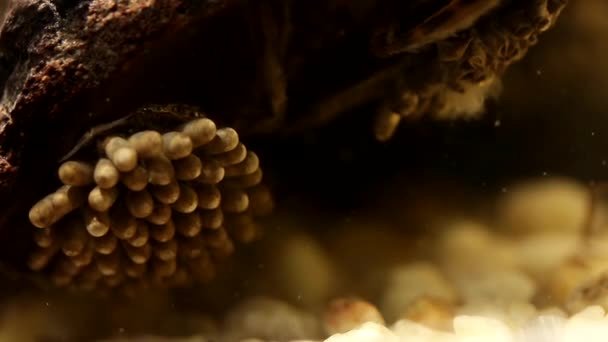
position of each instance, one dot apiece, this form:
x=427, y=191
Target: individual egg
x=136, y=179
x=200, y=131
x=188, y=225
x=146, y=143
x=138, y=255
x=187, y=168
x=96, y=223
x=139, y=203
x=106, y=175
x=226, y=139
x=212, y=172
x=165, y=251
x=160, y=170
x=55, y=206
x=176, y=145
x=120, y=152
x=187, y=201
x=123, y=224
x=160, y=215
x=101, y=199
x=141, y=236
x=234, y=200
x=385, y=124
x=209, y=196
x=235, y=156
x=76, y=173
x=246, y=167
x=164, y=232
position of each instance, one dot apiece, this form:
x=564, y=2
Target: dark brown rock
x=53, y=54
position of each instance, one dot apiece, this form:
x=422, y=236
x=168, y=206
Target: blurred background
x=551, y=120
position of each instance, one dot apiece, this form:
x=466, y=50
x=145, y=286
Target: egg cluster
x=157, y=209
x=469, y=65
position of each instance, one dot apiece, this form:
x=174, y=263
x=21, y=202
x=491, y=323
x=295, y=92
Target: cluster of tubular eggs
x=154, y=208
x=475, y=56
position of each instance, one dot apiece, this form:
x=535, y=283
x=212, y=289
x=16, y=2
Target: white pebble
x=411, y=281
x=298, y=252
x=500, y=286
x=594, y=312
x=588, y=325
x=512, y=314
x=552, y=311
x=269, y=319
x=549, y=328
x=344, y=314
x=412, y=331
x=368, y=332
x=534, y=256
x=469, y=246
x=481, y=329
x=555, y=205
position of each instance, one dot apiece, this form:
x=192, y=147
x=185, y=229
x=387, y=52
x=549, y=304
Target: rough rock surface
x=54, y=51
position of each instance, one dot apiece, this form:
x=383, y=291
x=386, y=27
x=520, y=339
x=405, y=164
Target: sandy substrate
x=520, y=272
